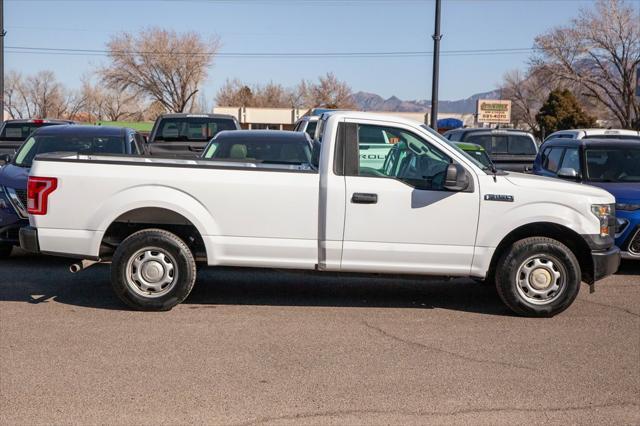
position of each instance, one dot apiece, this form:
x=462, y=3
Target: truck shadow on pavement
x=40, y=279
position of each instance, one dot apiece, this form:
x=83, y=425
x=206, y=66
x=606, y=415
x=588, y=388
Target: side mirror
x=568, y=173
x=5, y=158
x=456, y=178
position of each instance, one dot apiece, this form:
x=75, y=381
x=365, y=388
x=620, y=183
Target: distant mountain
x=372, y=102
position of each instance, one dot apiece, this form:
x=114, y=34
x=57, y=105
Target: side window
x=500, y=144
x=406, y=157
x=571, y=160
x=484, y=141
x=521, y=145
x=552, y=162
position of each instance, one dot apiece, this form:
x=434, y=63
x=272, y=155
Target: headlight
x=606, y=214
x=627, y=207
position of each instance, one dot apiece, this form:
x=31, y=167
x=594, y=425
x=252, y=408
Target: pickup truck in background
x=14, y=132
x=428, y=209
x=509, y=149
x=186, y=135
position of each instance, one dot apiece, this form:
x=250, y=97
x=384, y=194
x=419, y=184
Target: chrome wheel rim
x=541, y=279
x=151, y=272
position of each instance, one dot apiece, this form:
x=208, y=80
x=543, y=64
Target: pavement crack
x=618, y=308
x=444, y=351
x=436, y=413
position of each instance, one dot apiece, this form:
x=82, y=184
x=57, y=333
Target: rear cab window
x=190, y=128
x=19, y=132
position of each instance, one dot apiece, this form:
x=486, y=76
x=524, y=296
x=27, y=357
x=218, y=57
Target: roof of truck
x=188, y=115
x=82, y=130
x=373, y=116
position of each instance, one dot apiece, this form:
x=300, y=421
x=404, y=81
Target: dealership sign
x=493, y=111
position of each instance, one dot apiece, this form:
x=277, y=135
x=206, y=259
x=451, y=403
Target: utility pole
x=2, y=33
x=436, y=69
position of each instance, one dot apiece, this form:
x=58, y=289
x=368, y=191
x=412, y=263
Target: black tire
x=175, y=255
x=5, y=250
x=550, y=255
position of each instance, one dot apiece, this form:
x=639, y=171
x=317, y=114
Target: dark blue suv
x=613, y=165
x=63, y=138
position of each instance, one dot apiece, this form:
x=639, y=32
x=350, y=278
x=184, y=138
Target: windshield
x=67, y=143
x=192, y=128
x=265, y=151
x=454, y=146
x=613, y=164
x=20, y=131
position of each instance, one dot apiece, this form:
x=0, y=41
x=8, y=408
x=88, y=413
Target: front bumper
x=605, y=263
x=29, y=239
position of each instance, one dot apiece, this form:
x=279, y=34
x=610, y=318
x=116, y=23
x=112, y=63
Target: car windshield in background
x=20, y=131
x=613, y=164
x=67, y=143
x=456, y=147
x=481, y=156
x=278, y=152
x=192, y=129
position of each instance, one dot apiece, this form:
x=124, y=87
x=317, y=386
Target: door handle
x=361, y=198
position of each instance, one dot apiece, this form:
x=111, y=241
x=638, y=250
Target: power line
x=378, y=54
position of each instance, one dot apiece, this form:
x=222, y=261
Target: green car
x=475, y=151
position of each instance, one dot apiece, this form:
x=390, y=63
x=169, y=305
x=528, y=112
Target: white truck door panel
x=399, y=217
x=408, y=230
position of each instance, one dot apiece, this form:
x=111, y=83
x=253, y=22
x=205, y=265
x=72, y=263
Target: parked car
x=509, y=149
x=14, y=132
x=261, y=146
x=595, y=133
x=435, y=214
x=611, y=164
x=307, y=124
x=186, y=135
x=476, y=151
x=76, y=138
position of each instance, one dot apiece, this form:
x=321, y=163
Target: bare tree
x=599, y=52
x=330, y=92
x=14, y=99
x=527, y=92
x=161, y=64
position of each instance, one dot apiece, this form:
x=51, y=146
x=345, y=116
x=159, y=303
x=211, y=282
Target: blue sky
x=300, y=26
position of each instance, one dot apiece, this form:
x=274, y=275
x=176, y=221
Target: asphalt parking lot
x=267, y=347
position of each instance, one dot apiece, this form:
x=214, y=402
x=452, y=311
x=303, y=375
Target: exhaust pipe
x=82, y=265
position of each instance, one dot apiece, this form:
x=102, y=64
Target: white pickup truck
x=430, y=209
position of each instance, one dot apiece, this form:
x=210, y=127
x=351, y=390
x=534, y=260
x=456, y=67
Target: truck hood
x=626, y=192
x=542, y=183
x=13, y=176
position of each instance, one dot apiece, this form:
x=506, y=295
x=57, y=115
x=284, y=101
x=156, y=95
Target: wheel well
x=152, y=217
x=565, y=235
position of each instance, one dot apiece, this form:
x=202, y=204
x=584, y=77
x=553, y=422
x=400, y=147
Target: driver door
x=399, y=217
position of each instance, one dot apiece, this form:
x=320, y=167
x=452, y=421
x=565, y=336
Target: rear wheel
x=153, y=270
x=5, y=250
x=538, y=277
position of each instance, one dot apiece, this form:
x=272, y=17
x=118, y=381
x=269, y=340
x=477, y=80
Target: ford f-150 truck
x=429, y=209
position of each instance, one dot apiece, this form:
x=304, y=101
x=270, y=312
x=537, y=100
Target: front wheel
x=5, y=250
x=538, y=277
x=153, y=270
